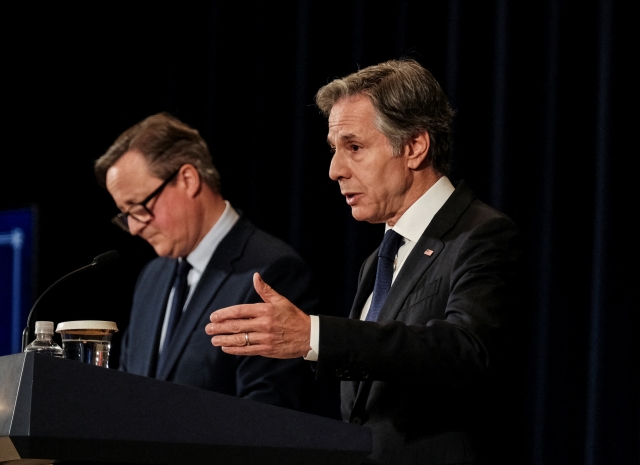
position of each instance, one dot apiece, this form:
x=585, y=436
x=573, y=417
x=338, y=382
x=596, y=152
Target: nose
x=135, y=226
x=337, y=169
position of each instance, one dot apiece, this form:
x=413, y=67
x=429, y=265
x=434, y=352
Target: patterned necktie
x=384, y=274
x=180, y=293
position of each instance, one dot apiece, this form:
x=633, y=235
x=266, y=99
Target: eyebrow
x=346, y=137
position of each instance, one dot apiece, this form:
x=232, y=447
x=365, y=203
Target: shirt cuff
x=314, y=339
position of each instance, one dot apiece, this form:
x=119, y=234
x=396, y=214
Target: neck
x=214, y=206
x=211, y=206
x=423, y=180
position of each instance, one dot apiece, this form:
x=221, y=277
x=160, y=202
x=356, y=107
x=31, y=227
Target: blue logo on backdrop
x=16, y=266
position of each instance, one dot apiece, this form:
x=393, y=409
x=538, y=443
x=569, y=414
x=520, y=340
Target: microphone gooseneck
x=99, y=262
x=104, y=259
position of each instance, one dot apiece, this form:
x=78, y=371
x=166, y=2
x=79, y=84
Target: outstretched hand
x=275, y=328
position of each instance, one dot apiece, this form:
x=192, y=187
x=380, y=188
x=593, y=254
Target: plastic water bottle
x=44, y=344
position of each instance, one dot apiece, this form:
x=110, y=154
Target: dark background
x=543, y=132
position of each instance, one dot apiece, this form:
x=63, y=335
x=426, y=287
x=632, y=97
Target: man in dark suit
x=161, y=176
x=425, y=336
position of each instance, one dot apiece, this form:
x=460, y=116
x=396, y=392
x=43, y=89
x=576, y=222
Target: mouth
x=352, y=197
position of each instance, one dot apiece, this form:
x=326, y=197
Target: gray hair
x=408, y=101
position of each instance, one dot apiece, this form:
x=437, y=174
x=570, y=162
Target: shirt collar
x=415, y=220
x=209, y=243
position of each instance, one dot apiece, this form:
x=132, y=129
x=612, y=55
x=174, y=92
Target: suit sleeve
x=448, y=338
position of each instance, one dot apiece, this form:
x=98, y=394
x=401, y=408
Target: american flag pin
x=428, y=252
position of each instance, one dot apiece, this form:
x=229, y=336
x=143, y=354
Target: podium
x=54, y=409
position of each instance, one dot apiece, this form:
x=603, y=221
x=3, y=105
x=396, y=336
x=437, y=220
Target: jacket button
x=339, y=372
x=365, y=375
x=356, y=420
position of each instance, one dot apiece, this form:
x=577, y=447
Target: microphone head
x=105, y=258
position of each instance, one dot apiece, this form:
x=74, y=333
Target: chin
x=360, y=215
x=369, y=217
x=161, y=250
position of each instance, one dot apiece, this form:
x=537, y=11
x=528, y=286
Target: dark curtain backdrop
x=543, y=132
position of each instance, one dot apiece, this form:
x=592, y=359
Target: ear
x=416, y=150
x=189, y=179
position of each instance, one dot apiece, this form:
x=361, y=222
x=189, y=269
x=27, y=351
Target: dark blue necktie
x=384, y=274
x=180, y=293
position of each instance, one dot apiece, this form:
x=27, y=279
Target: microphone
x=99, y=262
x=104, y=259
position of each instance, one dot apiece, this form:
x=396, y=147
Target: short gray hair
x=408, y=101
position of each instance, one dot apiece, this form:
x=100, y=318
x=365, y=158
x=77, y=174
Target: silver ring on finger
x=246, y=339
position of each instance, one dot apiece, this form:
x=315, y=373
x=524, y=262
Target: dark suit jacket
x=419, y=378
x=227, y=280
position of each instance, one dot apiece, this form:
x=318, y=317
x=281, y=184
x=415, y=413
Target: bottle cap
x=44, y=327
x=87, y=324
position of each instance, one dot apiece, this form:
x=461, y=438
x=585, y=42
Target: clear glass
x=44, y=344
x=87, y=345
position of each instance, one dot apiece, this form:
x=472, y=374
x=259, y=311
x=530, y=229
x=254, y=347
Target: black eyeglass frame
x=121, y=220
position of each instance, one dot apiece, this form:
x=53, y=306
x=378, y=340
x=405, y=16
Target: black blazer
x=227, y=280
x=418, y=377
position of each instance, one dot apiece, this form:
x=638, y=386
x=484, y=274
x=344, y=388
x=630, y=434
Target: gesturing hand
x=275, y=328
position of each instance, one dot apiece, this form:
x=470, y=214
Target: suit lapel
x=365, y=286
x=418, y=262
x=414, y=267
x=154, y=319
x=215, y=274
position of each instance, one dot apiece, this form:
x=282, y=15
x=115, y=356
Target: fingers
x=246, y=339
x=236, y=312
x=232, y=327
x=248, y=343
x=265, y=291
x=246, y=311
x=259, y=344
x=275, y=328
x=237, y=343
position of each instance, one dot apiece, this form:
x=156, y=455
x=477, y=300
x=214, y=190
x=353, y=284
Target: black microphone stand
x=97, y=262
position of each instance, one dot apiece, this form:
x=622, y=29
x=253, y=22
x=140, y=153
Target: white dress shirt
x=410, y=226
x=200, y=257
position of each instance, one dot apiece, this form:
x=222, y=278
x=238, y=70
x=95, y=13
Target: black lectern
x=62, y=410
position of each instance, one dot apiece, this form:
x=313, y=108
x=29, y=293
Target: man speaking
x=424, y=335
x=161, y=176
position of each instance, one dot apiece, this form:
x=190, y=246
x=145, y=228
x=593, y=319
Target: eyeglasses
x=139, y=211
